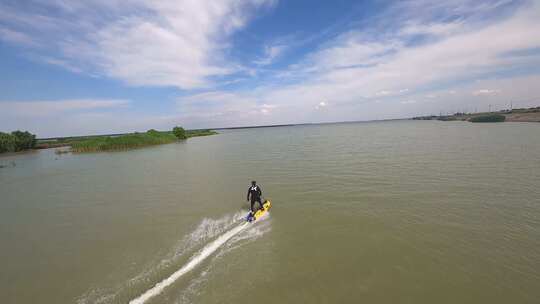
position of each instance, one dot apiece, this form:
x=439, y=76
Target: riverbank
x=513, y=115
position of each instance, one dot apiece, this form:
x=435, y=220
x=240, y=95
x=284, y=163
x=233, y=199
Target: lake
x=375, y=212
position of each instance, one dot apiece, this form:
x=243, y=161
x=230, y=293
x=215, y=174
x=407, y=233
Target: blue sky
x=106, y=66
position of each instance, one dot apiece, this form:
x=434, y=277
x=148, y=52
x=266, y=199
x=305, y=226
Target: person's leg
x=252, y=203
x=260, y=203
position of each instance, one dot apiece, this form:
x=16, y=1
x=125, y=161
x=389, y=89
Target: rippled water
x=382, y=212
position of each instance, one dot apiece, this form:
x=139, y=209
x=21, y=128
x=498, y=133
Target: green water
x=383, y=212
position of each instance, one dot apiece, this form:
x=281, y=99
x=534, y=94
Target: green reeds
x=131, y=141
x=194, y=133
x=123, y=142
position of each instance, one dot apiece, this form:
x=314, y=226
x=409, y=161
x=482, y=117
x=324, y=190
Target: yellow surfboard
x=266, y=206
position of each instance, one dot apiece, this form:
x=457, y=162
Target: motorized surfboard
x=254, y=216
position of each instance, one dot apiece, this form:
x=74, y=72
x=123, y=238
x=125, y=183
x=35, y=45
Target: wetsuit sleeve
x=248, y=194
x=259, y=191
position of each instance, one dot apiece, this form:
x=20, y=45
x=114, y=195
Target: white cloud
x=485, y=92
x=50, y=118
x=16, y=37
x=436, y=29
x=321, y=105
x=267, y=106
x=148, y=43
x=465, y=55
x=349, y=51
x=384, y=93
x=270, y=54
x=219, y=109
x=57, y=107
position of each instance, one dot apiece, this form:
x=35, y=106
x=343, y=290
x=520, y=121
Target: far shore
x=511, y=115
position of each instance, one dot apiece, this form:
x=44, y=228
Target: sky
x=80, y=67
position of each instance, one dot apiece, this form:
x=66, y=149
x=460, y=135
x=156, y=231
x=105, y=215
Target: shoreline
x=510, y=115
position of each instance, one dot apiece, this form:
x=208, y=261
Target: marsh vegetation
x=135, y=140
x=19, y=141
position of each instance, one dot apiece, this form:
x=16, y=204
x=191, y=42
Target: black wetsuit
x=255, y=193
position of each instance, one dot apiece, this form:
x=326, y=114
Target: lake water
x=379, y=212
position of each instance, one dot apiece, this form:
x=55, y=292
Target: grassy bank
x=123, y=142
x=195, y=133
x=48, y=143
x=130, y=141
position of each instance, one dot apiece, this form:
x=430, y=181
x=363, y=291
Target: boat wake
x=195, y=260
x=227, y=233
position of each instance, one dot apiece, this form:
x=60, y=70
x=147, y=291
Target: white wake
x=194, y=261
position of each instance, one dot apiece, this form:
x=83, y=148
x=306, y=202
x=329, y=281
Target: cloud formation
x=57, y=107
x=48, y=118
x=356, y=69
x=143, y=43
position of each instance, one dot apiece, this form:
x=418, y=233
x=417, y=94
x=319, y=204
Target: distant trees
x=488, y=118
x=179, y=132
x=153, y=132
x=16, y=141
x=446, y=118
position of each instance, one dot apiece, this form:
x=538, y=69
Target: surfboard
x=253, y=217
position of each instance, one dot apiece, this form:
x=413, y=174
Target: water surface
x=381, y=212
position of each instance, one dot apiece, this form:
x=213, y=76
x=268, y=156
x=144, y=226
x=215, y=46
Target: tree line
x=16, y=141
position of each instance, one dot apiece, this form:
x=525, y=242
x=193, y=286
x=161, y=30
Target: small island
x=19, y=141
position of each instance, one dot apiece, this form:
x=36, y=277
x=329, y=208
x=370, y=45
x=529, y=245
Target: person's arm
x=248, y=194
x=259, y=191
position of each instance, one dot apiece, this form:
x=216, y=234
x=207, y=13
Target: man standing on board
x=254, y=192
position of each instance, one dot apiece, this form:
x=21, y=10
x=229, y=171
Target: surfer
x=254, y=193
